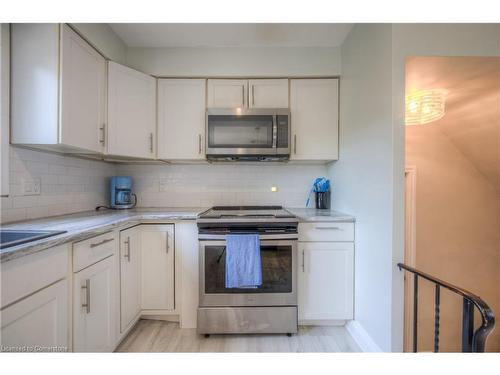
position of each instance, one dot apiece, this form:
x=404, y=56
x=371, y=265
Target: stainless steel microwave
x=248, y=134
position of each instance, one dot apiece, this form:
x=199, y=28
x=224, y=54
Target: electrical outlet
x=32, y=187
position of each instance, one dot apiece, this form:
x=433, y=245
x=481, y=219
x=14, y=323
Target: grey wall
x=229, y=61
x=103, y=38
x=362, y=177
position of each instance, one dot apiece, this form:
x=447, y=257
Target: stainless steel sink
x=16, y=237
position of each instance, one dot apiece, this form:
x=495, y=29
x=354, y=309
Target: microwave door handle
x=275, y=132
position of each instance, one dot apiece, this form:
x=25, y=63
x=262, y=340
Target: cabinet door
x=130, y=276
x=83, y=88
x=227, y=93
x=268, y=93
x=326, y=280
x=95, y=307
x=181, y=119
x=38, y=320
x=158, y=254
x=131, y=113
x=314, y=121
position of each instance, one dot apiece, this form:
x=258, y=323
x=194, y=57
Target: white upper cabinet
x=58, y=89
x=314, y=119
x=242, y=93
x=4, y=108
x=83, y=90
x=227, y=93
x=181, y=119
x=158, y=255
x=131, y=113
x=268, y=93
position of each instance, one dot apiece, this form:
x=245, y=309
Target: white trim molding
x=362, y=338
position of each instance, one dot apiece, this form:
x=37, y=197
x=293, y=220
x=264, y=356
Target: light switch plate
x=32, y=186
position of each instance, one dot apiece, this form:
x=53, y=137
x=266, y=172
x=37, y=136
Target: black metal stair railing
x=472, y=341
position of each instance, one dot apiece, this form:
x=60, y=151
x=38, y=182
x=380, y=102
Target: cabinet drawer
x=26, y=275
x=93, y=250
x=326, y=232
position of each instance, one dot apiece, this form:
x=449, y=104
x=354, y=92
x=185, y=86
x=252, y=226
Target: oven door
x=279, y=262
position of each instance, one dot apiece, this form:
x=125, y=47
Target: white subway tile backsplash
x=71, y=184
x=68, y=184
x=229, y=184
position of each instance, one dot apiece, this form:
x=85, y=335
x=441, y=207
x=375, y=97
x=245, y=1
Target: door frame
x=410, y=252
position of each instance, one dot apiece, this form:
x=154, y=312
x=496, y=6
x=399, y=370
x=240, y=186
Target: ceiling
x=472, y=117
x=231, y=35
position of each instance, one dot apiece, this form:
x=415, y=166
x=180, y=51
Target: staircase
x=472, y=340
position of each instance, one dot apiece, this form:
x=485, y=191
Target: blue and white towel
x=243, y=263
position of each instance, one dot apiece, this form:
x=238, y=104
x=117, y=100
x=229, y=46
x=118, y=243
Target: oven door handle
x=263, y=237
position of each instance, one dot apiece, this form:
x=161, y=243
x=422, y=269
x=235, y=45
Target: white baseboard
x=323, y=322
x=362, y=338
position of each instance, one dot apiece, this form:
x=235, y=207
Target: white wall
x=69, y=185
x=228, y=61
x=369, y=177
x=104, y=39
x=362, y=177
x=205, y=185
x=423, y=40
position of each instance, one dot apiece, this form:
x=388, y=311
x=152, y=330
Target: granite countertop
x=84, y=225
x=315, y=215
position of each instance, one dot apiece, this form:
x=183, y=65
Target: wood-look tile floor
x=161, y=336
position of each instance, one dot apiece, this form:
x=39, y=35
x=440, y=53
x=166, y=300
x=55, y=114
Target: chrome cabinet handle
x=328, y=228
x=295, y=143
x=243, y=95
x=127, y=254
x=303, y=262
x=101, y=243
x=275, y=131
x=168, y=247
x=87, y=295
x=103, y=134
x=151, y=142
x=199, y=143
x=253, y=96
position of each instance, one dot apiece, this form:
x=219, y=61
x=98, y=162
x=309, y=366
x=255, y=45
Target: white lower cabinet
x=158, y=278
x=94, y=307
x=130, y=277
x=326, y=280
x=38, y=322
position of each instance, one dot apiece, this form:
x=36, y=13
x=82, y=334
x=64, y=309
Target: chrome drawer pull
x=87, y=295
x=328, y=228
x=101, y=243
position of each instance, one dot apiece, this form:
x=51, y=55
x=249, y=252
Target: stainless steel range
x=270, y=308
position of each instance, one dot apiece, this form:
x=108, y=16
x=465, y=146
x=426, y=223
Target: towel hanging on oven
x=243, y=263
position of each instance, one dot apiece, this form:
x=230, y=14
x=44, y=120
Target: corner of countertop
x=320, y=215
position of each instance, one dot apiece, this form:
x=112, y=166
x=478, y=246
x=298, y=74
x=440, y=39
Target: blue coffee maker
x=121, y=193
